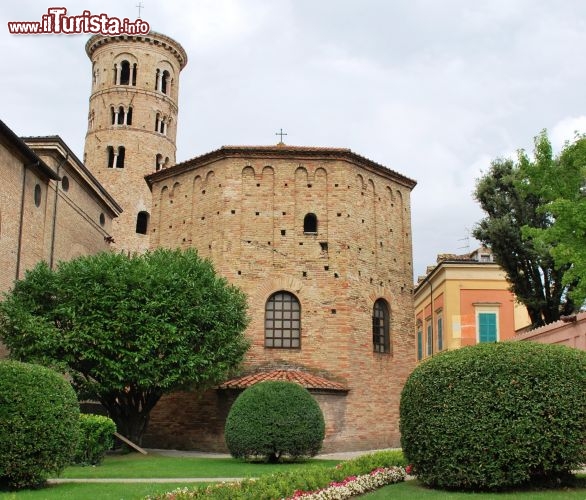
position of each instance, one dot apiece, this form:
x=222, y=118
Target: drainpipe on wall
x=57, y=184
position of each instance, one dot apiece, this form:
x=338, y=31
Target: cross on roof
x=140, y=6
x=281, y=133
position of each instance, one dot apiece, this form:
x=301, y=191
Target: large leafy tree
x=128, y=329
x=515, y=204
x=565, y=186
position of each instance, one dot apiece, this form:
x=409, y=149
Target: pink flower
x=409, y=469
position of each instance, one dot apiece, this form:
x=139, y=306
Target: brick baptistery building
x=318, y=238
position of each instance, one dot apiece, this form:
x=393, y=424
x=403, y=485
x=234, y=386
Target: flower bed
x=354, y=485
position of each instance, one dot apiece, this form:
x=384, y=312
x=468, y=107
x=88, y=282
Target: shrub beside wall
x=274, y=419
x=493, y=416
x=39, y=424
x=95, y=439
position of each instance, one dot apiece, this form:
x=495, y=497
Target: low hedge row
x=95, y=439
x=284, y=484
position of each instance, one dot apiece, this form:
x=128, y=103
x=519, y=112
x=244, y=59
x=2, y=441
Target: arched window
x=120, y=115
x=113, y=112
x=110, y=151
x=158, y=162
x=142, y=222
x=165, y=82
x=120, y=157
x=129, y=116
x=134, y=71
x=124, y=73
x=380, y=327
x=283, y=321
x=310, y=223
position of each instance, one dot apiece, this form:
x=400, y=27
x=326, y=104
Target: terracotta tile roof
x=302, y=378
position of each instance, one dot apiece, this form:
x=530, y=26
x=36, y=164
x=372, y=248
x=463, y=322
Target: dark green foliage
x=512, y=196
x=95, y=439
x=39, y=424
x=493, y=416
x=128, y=329
x=273, y=419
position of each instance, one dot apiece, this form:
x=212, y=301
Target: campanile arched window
x=310, y=223
x=124, y=73
x=381, y=340
x=283, y=321
x=120, y=157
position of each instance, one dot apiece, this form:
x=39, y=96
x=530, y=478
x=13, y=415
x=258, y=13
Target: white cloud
x=566, y=129
x=434, y=90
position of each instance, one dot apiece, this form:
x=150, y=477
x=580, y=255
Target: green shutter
x=487, y=327
x=419, y=344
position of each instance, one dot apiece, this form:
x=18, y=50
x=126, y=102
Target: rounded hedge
x=39, y=424
x=96, y=437
x=493, y=416
x=274, y=419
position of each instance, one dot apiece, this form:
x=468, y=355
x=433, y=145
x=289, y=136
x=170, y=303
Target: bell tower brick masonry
x=132, y=123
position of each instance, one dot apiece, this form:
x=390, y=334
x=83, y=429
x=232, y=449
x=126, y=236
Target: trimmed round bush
x=39, y=424
x=494, y=416
x=96, y=437
x=270, y=420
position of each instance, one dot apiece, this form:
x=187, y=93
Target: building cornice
x=27, y=153
x=54, y=143
x=152, y=37
x=279, y=152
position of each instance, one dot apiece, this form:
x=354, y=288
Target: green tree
x=128, y=329
x=515, y=205
x=565, y=186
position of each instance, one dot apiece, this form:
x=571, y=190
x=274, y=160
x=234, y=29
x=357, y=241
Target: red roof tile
x=302, y=378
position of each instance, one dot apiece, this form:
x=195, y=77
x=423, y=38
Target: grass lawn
x=88, y=491
x=414, y=490
x=154, y=466
x=149, y=466
x=145, y=466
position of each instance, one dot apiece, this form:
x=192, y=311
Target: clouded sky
x=432, y=89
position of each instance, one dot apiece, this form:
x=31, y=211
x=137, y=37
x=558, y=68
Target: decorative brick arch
x=268, y=170
x=266, y=289
x=381, y=293
x=301, y=175
x=248, y=171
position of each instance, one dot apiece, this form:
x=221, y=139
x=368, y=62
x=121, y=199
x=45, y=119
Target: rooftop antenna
x=467, y=240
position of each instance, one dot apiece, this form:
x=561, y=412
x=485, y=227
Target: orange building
x=463, y=300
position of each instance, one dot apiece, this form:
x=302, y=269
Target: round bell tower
x=132, y=123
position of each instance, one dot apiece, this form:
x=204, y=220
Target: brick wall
x=246, y=214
